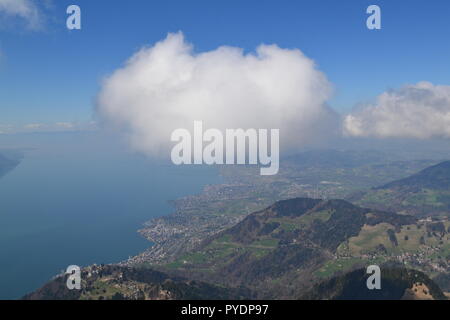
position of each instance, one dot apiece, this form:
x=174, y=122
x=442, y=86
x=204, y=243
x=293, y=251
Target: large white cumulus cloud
x=419, y=111
x=168, y=86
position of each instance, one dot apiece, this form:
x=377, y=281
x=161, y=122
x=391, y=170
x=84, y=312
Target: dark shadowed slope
x=396, y=284
x=435, y=177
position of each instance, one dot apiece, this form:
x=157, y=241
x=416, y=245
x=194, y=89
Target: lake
x=79, y=198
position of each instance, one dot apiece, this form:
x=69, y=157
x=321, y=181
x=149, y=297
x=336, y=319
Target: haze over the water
x=78, y=198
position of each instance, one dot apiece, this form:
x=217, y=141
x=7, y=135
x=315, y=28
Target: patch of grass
x=427, y=197
x=331, y=267
x=323, y=216
x=292, y=223
x=268, y=242
x=369, y=238
x=101, y=289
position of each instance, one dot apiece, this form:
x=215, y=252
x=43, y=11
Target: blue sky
x=50, y=74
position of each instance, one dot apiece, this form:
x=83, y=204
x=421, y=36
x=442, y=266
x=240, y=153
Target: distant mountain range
x=422, y=194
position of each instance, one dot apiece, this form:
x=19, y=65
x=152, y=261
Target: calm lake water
x=79, y=199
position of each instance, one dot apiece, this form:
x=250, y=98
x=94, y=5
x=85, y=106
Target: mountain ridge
x=424, y=193
x=300, y=234
x=434, y=177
